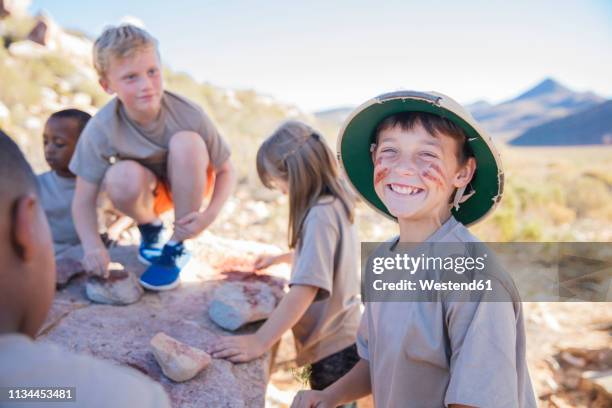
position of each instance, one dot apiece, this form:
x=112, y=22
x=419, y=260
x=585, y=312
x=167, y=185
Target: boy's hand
x=191, y=225
x=96, y=261
x=314, y=399
x=238, y=349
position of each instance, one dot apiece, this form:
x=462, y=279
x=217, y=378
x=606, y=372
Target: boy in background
x=56, y=186
x=150, y=150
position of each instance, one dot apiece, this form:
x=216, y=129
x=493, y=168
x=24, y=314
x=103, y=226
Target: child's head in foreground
x=420, y=161
x=27, y=266
x=128, y=65
x=296, y=160
x=420, y=156
x=60, y=137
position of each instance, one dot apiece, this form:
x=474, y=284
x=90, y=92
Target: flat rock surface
x=123, y=333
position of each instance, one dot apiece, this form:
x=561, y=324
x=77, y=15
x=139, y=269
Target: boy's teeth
x=404, y=189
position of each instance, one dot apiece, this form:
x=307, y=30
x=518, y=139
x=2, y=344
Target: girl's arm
x=263, y=261
x=240, y=349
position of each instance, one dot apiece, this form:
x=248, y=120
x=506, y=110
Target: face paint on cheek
x=380, y=173
x=434, y=174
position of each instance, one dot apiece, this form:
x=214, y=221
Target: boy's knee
x=124, y=181
x=187, y=142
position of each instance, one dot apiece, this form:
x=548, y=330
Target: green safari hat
x=357, y=135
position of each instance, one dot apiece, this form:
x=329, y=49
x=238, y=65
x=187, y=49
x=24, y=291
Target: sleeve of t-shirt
x=218, y=150
x=362, y=336
x=483, y=354
x=89, y=161
x=314, y=263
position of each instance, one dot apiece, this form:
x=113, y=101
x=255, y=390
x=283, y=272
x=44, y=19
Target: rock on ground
x=235, y=304
x=178, y=361
x=120, y=288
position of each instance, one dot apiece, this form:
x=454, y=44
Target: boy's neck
x=143, y=119
x=418, y=230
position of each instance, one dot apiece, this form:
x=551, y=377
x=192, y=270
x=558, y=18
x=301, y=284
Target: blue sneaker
x=150, y=243
x=163, y=274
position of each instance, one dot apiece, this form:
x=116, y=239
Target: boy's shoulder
x=99, y=382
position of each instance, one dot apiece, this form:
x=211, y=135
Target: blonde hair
x=299, y=155
x=120, y=42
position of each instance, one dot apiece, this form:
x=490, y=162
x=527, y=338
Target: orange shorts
x=163, y=195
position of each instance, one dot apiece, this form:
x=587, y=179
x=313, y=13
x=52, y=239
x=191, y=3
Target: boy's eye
x=153, y=71
x=429, y=154
x=388, y=150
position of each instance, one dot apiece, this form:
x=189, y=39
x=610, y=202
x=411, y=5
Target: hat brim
x=357, y=135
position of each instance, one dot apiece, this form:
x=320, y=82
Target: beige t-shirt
x=98, y=383
x=111, y=136
x=432, y=354
x=327, y=258
x=56, y=195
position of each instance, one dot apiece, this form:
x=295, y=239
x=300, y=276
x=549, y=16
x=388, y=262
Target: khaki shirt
x=56, y=195
x=432, y=354
x=327, y=258
x=111, y=136
x=98, y=383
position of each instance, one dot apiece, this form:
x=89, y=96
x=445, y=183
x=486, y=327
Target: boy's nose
x=405, y=167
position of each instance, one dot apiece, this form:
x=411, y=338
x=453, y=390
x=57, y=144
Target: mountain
x=335, y=116
x=546, y=101
x=588, y=127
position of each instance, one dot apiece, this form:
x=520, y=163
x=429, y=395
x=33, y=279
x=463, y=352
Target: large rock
x=120, y=288
x=235, y=304
x=178, y=361
x=123, y=334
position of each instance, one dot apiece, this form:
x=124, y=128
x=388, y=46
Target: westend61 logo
x=493, y=272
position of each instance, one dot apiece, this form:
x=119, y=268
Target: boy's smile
x=137, y=81
x=412, y=171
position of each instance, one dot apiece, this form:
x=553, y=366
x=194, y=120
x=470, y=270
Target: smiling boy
x=56, y=186
x=151, y=150
x=421, y=160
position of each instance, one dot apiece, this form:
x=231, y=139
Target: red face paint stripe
x=380, y=175
x=436, y=180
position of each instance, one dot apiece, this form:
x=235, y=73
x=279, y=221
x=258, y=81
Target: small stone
x=178, y=361
x=235, y=304
x=120, y=288
x=66, y=269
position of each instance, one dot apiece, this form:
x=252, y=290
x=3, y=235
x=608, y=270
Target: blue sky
x=321, y=54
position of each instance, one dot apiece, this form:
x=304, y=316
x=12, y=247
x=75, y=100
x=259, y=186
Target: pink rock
x=235, y=304
x=178, y=361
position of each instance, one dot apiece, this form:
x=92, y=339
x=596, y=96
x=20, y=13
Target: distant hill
x=335, y=116
x=588, y=127
x=544, y=102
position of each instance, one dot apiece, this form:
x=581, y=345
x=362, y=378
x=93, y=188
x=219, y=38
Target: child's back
x=27, y=288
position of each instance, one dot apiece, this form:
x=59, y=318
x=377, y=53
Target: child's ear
x=465, y=173
x=24, y=234
x=105, y=84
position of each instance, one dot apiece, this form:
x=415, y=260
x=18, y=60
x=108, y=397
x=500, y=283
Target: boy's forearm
x=353, y=385
x=225, y=181
x=288, y=312
x=85, y=218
